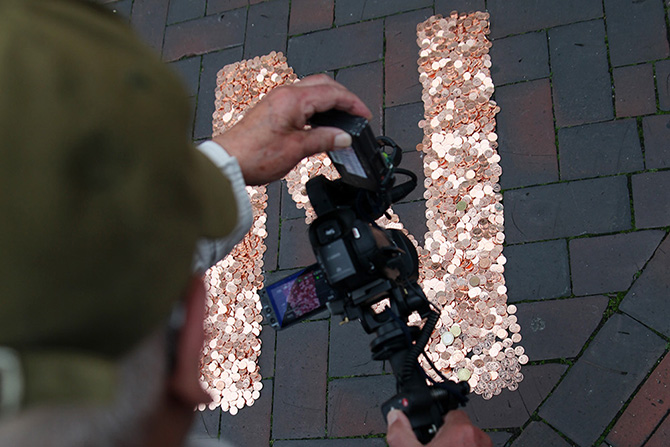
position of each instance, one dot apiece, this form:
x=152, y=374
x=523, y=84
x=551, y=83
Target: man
x=104, y=202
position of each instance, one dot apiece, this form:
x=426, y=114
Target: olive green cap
x=102, y=194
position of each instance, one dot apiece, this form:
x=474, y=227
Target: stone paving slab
x=594, y=150
x=310, y=15
x=581, y=84
x=609, y=263
x=350, y=353
x=663, y=84
x=271, y=21
x=602, y=379
x=656, y=141
x=539, y=433
x=354, y=405
x=652, y=203
x=634, y=87
x=520, y=16
x=204, y=35
x=367, y=82
x=526, y=134
x=572, y=321
x=537, y=271
x=299, y=409
x=251, y=426
x=340, y=44
x=649, y=407
x=402, y=125
x=636, y=31
x=567, y=209
x=647, y=301
x=401, y=80
x=183, y=10
x=661, y=438
x=513, y=409
x=519, y=58
x=350, y=11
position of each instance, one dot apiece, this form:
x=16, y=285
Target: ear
x=185, y=381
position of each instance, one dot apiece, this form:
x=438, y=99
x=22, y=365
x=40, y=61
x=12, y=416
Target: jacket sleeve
x=210, y=251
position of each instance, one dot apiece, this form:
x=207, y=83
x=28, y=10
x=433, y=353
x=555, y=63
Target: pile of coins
x=461, y=262
x=229, y=370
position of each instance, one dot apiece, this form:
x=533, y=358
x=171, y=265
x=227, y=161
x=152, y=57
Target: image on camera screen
x=298, y=295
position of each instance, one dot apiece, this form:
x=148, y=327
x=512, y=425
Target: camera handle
x=400, y=344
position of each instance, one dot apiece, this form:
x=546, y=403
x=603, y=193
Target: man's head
x=102, y=198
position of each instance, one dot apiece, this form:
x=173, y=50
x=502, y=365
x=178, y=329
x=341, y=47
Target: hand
x=457, y=431
x=271, y=138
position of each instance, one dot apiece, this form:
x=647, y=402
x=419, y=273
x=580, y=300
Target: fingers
x=458, y=430
x=321, y=93
x=399, y=433
x=324, y=139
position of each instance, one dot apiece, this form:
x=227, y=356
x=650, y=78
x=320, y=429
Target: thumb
x=323, y=139
x=399, y=433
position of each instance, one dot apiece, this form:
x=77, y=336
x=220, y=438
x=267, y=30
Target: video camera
x=360, y=264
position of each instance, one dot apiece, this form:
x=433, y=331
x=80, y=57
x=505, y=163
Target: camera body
x=360, y=264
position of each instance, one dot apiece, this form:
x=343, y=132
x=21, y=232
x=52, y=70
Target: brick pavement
x=584, y=87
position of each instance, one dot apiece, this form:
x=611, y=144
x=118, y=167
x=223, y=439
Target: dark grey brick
x=567, y=209
x=204, y=35
x=539, y=433
x=336, y=48
x=367, y=82
x=182, y=10
x=520, y=58
x=413, y=161
x=663, y=84
x=273, y=192
x=205, y=424
x=354, y=405
x=537, y=271
x=350, y=11
x=310, y=15
x=189, y=71
x=571, y=321
x=350, y=353
x=251, y=426
x=634, y=90
x=647, y=301
x=499, y=438
x=445, y=7
x=350, y=442
x=538, y=382
x=267, y=26
x=266, y=361
x=503, y=411
x=656, y=141
x=289, y=210
x=581, y=80
x=512, y=409
x=413, y=216
x=294, y=248
x=211, y=64
x=598, y=384
x=401, y=77
x=148, y=18
x=300, y=381
x=651, y=200
x=526, y=134
x=636, y=31
x=598, y=149
x=402, y=125
x=216, y=6
x=519, y=16
x=609, y=263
